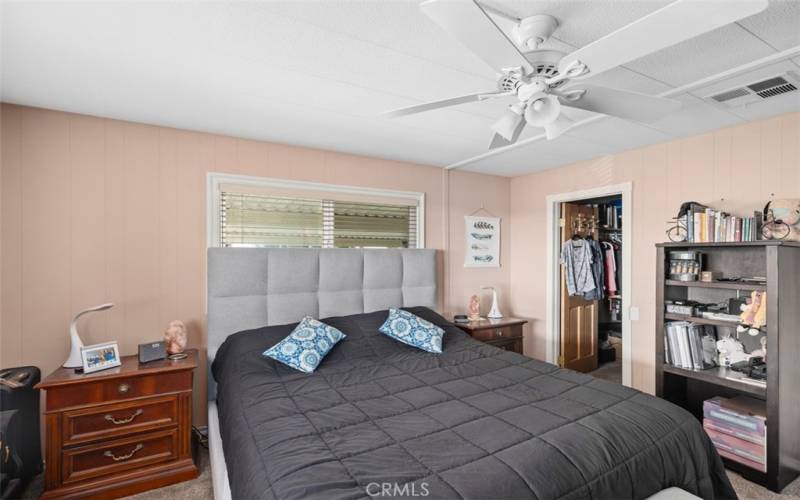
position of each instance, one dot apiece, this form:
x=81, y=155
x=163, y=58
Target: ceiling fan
x=545, y=80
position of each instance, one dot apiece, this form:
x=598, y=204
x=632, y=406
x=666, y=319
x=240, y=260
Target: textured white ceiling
x=317, y=73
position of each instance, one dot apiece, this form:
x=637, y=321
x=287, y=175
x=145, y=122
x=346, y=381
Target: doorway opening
x=588, y=292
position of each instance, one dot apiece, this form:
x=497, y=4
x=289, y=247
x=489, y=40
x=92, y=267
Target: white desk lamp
x=494, y=312
x=74, y=360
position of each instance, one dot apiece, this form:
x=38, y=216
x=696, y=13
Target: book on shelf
x=758, y=438
x=740, y=448
x=684, y=345
x=706, y=225
x=738, y=429
x=742, y=413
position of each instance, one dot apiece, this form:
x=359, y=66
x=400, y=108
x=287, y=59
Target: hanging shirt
x=576, y=256
x=611, y=269
x=598, y=265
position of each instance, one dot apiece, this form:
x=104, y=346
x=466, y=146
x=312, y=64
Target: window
x=274, y=213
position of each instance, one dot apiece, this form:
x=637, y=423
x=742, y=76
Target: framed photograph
x=483, y=241
x=100, y=356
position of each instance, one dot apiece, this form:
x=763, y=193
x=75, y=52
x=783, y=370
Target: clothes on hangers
x=577, y=258
x=610, y=268
x=598, y=271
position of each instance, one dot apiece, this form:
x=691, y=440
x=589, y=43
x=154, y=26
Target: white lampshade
x=558, y=127
x=543, y=111
x=510, y=124
x=494, y=312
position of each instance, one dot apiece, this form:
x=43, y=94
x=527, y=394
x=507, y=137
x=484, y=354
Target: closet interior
x=591, y=287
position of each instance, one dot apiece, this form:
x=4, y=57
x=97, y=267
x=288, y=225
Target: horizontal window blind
x=259, y=220
x=269, y=221
x=363, y=225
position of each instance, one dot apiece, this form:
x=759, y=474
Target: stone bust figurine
x=474, y=308
x=175, y=337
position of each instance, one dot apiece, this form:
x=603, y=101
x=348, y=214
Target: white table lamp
x=494, y=312
x=74, y=360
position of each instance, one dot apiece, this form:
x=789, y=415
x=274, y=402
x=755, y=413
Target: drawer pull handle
x=121, y=421
x=123, y=457
x=123, y=388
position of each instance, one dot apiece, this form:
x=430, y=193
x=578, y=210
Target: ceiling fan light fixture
x=558, y=127
x=543, y=111
x=506, y=127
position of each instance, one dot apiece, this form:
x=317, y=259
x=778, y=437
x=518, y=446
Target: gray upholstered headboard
x=254, y=287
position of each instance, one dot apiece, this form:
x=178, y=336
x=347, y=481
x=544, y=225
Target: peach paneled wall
x=736, y=169
x=96, y=210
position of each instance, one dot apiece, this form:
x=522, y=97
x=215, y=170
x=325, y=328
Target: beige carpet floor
x=611, y=372
x=200, y=488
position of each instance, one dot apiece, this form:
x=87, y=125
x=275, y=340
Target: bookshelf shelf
x=723, y=244
x=729, y=285
x=719, y=376
x=702, y=321
x=779, y=262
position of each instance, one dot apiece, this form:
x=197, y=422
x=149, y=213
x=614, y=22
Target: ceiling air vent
x=731, y=94
x=757, y=91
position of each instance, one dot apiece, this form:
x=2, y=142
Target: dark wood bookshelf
x=779, y=262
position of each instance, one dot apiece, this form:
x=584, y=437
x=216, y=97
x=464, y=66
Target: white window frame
x=216, y=179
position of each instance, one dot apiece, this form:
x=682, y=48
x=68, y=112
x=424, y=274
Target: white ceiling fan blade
x=498, y=141
x=620, y=103
x=678, y=21
x=468, y=23
x=419, y=108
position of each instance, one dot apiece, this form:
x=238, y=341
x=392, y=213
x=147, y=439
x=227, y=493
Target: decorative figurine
x=175, y=338
x=474, y=308
x=754, y=314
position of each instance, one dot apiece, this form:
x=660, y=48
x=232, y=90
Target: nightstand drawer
x=513, y=344
x=112, y=457
x=119, y=419
x=498, y=333
x=117, y=389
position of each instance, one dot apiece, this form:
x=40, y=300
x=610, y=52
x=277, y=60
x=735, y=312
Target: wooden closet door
x=578, y=316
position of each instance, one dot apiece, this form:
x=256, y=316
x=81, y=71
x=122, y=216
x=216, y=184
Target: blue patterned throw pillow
x=413, y=330
x=306, y=346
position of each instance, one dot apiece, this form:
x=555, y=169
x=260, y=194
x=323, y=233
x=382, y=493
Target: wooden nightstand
x=119, y=431
x=505, y=333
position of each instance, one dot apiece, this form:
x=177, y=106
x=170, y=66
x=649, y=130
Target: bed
x=379, y=418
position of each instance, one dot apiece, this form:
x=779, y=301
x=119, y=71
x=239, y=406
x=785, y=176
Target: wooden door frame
x=553, y=319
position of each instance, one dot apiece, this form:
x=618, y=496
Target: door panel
x=579, y=336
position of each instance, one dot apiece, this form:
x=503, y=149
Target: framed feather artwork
x=483, y=241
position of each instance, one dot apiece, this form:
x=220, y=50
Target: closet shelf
x=729, y=285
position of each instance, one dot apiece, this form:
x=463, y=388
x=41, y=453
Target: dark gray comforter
x=474, y=422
